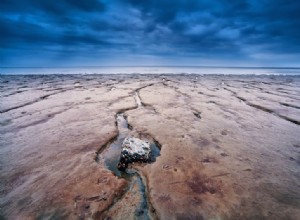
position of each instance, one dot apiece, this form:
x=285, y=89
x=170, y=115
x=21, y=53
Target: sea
x=201, y=70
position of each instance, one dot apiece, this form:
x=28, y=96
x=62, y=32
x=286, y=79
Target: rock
x=134, y=150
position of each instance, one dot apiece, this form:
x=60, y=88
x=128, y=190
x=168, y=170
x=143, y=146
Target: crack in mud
x=279, y=94
x=118, y=100
x=197, y=114
x=110, y=154
x=14, y=93
x=48, y=116
x=265, y=109
x=151, y=84
x=41, y=121
x=143, y=209
x=142, y=104
x=34, y=101
x=139, y=101
x=289, y=105
x=176, y=90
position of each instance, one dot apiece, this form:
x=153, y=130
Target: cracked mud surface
x=230, y=147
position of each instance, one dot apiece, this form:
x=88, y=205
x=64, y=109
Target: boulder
x=134, y=150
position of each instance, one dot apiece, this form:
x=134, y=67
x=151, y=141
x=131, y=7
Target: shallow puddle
x=112, y=153
x=137, y=191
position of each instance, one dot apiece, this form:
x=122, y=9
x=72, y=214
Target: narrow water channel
x=112, y=154
x=137, y=190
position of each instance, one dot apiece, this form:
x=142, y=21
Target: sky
x=261, y=33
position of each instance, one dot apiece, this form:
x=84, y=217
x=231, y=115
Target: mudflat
x=226, y=147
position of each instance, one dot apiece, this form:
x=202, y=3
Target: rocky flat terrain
x=226, y=147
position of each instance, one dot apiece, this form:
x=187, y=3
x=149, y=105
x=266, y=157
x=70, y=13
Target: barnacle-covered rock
x=134, y=150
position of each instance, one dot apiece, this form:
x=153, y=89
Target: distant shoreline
x=217, y=67
x=198, y=70
x=149, y=74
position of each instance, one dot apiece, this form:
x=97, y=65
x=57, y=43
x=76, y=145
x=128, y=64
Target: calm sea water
x=151, y=70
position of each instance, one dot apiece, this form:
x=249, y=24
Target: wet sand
x=227, y=147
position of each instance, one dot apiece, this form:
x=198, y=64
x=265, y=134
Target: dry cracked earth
x=229, y=147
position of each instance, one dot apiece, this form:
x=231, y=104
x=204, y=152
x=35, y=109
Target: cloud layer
x=150, y=32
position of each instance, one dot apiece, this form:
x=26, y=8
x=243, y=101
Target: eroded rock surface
x=134, y=150
x=229, y=147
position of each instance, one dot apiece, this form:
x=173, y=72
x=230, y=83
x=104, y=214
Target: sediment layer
x=230, y=146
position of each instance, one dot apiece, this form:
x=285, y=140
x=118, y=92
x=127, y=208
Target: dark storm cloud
x=63, y=6
x=256, y=31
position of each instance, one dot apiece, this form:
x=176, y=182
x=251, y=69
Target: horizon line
x=253, y=67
